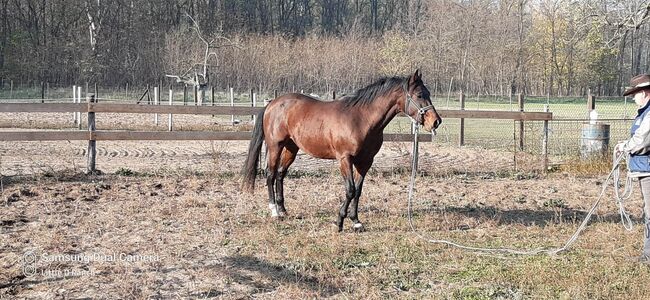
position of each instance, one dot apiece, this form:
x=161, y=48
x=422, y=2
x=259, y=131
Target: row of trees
x=557, y=47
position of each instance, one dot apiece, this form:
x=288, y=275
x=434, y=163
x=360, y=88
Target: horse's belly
x=317, y=150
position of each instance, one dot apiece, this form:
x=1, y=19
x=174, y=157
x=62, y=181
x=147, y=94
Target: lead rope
x=614, y=173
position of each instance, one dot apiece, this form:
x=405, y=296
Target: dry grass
x=214, y=241
x=589, y=167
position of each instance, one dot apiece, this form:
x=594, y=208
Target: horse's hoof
x=338, y=226
x=358, y=227
x=274, y=211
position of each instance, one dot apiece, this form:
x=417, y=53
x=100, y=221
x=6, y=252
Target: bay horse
x=349, y=130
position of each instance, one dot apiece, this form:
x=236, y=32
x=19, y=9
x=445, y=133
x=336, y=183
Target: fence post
x=185, y=94
x=545, y=143
x=171, y=117
x=262, y=163
x=591, y=102
x=74, y=100
x=254, y=105
x=96, y=93
x=252, y=97
x=461, y=139
x=79, y=101
x=521, y=101
x=42, y=92
x=11, y=89
x=196, y=95
x=232, y=103
x=333, y=95
x=212, y=96
x=92, y=144
x=156, y=101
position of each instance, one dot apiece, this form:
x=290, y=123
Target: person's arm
x=641, y=138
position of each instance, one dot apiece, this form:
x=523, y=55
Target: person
x=638, y=147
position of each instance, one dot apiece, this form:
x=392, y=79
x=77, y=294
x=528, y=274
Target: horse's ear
x=415, y=77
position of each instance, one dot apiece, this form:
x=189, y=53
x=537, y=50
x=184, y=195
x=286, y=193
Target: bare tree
x=200, y=78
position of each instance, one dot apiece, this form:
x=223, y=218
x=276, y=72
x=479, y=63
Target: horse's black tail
x=249, y=171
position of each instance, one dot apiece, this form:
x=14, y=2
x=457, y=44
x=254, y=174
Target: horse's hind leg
x=286, y=159
x=273, y=154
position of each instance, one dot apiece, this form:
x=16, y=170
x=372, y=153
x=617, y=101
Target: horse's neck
x=382, y=111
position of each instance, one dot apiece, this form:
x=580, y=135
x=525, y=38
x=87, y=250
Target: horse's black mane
x=367, y=94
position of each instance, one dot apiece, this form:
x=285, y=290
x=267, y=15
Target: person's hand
x=619, y=147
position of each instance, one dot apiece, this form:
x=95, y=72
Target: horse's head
x=417, y=103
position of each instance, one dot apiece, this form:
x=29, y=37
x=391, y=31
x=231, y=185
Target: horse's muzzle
x=431, y=120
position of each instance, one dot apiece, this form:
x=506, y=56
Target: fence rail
x=93, y=135
x=101, y=135
x=238, y=110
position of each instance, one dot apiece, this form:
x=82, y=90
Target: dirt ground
x=168, y=220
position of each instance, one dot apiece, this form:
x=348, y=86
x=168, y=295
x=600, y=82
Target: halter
x=421, y=110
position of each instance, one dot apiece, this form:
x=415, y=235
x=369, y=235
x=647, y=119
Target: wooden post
x=171, y=117
x=591, y=102
x=196, y=95
x=461, y=138
x=251, y=95
x=232, y=103
x=92, y=144
x=42, y=92
x=545, y=143
x=96, y=94
x=521, y=101
x=333, y=95
x=155, y=102
x=78, y=113
x=47, y=90
x=74, y=100
x=263, y=154
x=148, y=95
x=11, y=89
x=254, y=105
x=275, y=94
x=185, y=94
x=126, y=91
x=212, y=96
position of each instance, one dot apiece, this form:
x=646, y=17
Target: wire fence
x=569, y=113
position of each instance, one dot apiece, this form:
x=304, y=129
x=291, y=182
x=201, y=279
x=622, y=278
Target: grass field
x=208, y=240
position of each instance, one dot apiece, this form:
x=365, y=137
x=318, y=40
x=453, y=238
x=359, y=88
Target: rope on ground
x=620, y=201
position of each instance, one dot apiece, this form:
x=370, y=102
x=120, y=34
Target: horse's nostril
x=437, y=123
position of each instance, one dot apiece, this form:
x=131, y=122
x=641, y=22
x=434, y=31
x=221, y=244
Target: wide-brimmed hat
x=638, y=83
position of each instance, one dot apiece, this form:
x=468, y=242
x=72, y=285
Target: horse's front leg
x=348, y=177
x=360, y=172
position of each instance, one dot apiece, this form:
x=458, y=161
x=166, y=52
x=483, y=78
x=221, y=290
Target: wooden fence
x=93, y=135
